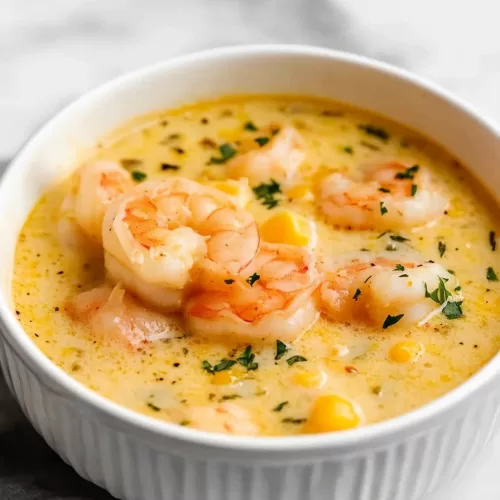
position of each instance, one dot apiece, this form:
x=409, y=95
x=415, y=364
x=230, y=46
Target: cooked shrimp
x=226, y=418
x=278, y=159
x=388, y=196
x=97, y=185
x=115, y=316
x=271, y=298
x=154, y=235
x=370, y=288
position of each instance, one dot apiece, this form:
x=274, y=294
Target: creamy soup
x=377, y=293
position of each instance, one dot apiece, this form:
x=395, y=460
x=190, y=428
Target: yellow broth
x=166, y=379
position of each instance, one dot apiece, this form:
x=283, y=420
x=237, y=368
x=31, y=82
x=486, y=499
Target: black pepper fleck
x=177, y=364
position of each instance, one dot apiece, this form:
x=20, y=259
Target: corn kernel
x=226, y=377
x=287, y=227
x=300, y=192
x=405, y=351
x=314, y=379
x=332, y=413
x=238, y=191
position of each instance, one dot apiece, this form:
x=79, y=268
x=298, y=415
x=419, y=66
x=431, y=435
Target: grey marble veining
x=51, y=51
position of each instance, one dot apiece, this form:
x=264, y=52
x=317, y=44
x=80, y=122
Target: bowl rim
x=18, y=339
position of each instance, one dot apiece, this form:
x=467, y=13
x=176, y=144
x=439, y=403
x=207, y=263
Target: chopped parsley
x=366, y=280
x=399, y=267
x=403, y=276
x=170, y=166
x=247, y=359
x=262, y=141
x=391, y=320
x=266, y=193
x=281, y=348
x=384, y=190
x=414, y=189
x=382, y=234
x=452, y=310
x=229, y=282
x=493, y=242
x=223, y=364
x=357, y=293
x=226, y=153
x=491, y=275
x=295, y=359
x=228, y=397
x=280, y=406
x=378, y=132
x=250, y=126
x=290, y=420
x=252, y=279
x=348, y=150
x=391, y=247
x=383, y=210
x=441, y=248
x=138, y=175
x=398, y=238
x=409, y=173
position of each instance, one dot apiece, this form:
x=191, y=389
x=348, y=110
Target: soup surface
x=366, y=353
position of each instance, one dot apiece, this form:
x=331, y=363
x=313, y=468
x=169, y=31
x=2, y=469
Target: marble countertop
x=53, y=51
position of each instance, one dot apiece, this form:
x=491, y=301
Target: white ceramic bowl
x=138, y=458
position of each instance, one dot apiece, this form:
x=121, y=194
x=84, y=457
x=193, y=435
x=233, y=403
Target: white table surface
x=54, y=50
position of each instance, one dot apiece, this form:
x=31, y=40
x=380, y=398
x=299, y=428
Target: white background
x=53, y=50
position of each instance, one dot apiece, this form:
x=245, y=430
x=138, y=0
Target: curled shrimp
x=271, y=298
x=154, y=236
x=388, y=195
x=226, y=418
x=369, y=288
x=97, y=184
x=115, y=316
x=278, y=159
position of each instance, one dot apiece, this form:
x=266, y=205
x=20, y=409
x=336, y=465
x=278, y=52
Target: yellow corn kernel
x=287, y=227
x=230, y=134
x=300, y=192
x=314, y=379
x=239, y=191
x=226, y=377
x=332, y=413
x=405, y=351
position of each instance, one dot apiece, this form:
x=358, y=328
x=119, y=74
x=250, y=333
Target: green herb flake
x=267, y=192
x=357, y=293
x=229, y=397
x=153, y=407
x=224, y=364
x=493, y=241
x=247, y=359
x=280, y=406
x=440, y=294
x=290, y=420
x=250, y=126
x=383, y=210
x=281, y=348
x=441, y=248
x=170, y=166
x=138, y=175
x=391, y=247
x=262, y=141
x=229, y=282
x=399, y=267
x=453, y=310
x=403, y=276
x=252, y=279
x=348, y=150
x=414, y=189
x=366, y=280
x=226, y=153
x=295, y=359
x=457, y=288
x=207, y=366
x=384, y=190
x=491, y=275
x=398, y=238
x=378, y=132
x=409, y=173
x=391, y=320
x=382, y=235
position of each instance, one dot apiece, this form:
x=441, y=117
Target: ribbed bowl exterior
x=132, y=467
